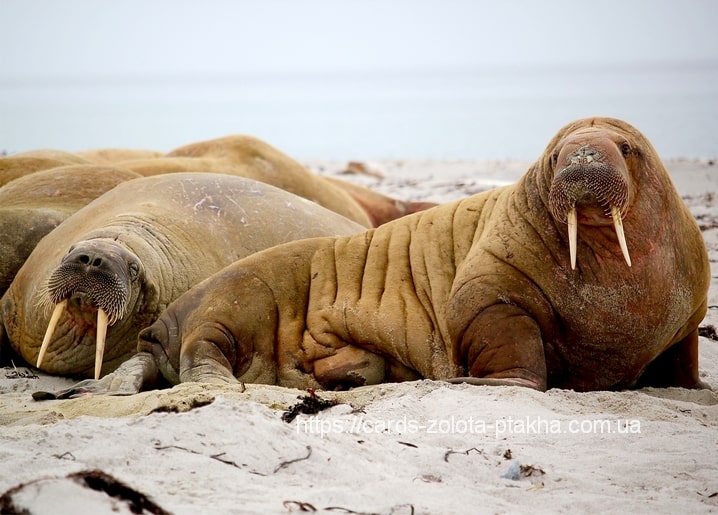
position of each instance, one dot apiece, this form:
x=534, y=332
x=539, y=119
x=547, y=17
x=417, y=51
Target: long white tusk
x=56, y=313
x=102, y=321
x=572, y=235
x=618, y=224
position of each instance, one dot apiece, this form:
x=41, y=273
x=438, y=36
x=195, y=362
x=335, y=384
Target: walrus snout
x=593, y=182
x=587, y=184
x=98, y=273
x=101, y=275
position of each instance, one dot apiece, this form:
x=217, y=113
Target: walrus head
x=94, y=276
x=591, y=185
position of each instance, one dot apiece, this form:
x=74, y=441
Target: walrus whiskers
x=600, y=184
x=57, y=312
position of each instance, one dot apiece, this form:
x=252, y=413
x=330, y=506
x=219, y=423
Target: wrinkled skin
x=153, y=238
x=479, y=290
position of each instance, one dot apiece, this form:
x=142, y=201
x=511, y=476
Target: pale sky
x=157, y=74
x=73, y=38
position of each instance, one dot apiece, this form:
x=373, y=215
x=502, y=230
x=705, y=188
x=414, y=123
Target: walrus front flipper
x=502, y=346
x=487, y=381
x=137, y=373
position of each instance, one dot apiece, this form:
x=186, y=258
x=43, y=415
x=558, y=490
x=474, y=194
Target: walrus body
x=33, y=205
x=380, y=208
x=530, y=284
x=251, y=157
x=25, y=163
x=240, y=155
x=112, y=156
x=135, y=249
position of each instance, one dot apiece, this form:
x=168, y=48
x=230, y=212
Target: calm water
x=454, y=115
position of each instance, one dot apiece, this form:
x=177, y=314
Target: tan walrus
x=379, y=207
x=244, y=156
x=251, y=157
x=111, y=268
x=15, y=166
x=113, y=156
x=590, y=273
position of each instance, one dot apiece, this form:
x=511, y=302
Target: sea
x=459, y=114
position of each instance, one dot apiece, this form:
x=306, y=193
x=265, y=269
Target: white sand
x=423, y=447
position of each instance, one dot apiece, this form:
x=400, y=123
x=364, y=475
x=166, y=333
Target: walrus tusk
x=102, y=322
x=618, y=224
x=57, y=312
x=572, y=235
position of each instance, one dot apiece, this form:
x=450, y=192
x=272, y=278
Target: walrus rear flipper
x=138, y=373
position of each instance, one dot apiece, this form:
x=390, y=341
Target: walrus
x=33, y=205
x=588, y=274
x=248, y=156
x=112, y=267
x=237, y=154
x=112, y=156
x=251, y=157
x=25, y=163
x=379, y=207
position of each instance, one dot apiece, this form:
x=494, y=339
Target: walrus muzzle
x=96, y=281
x=589, y=182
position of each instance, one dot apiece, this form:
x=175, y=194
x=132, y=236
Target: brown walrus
x=18, y=165
x=112, y=156
x=119, y=261
x=33, y=205
x=251, y=157
x=379, y=207
x=538, y=284
x=238, y=154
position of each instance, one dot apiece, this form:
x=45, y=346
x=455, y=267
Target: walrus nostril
x=86, y=259
x=585, y=154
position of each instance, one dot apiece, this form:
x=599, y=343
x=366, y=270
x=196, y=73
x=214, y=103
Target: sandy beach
x=418, y=447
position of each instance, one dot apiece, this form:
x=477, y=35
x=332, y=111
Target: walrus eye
x=625, y=149
x=134, y=271
x=554, y=158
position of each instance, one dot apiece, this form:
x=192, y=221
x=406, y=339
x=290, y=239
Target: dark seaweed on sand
x=310, y=404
